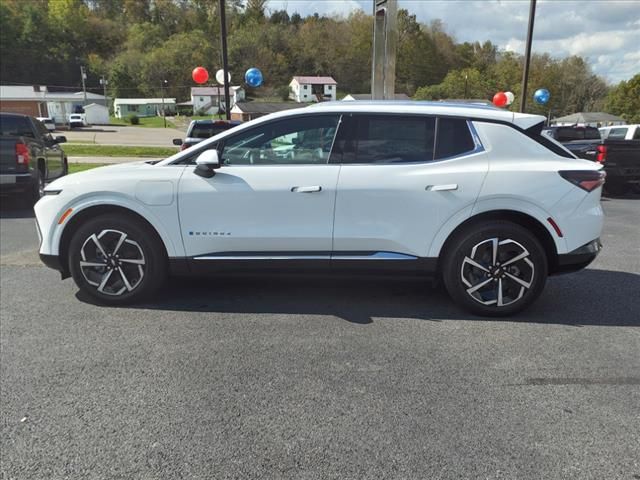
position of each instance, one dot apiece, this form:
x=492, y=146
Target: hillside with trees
x=136, y=44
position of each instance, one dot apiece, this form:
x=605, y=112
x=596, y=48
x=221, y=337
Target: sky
x=605, y=32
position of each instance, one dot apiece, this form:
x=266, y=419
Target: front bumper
x=578, y=258
x=53, y=261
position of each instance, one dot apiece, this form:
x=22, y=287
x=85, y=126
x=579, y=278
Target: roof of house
x=143, y=101
x=22, y=92
x=264, y=107
x=73, y=96
x=588, y=117
x=41, y=93
x=315, y=80
x=367, y=96
x=209, y=91
x=94, y=105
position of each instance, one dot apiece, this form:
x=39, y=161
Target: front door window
x=295, y=141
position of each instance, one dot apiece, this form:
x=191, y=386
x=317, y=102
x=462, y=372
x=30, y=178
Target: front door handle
x=310, y=189
x=442, y=188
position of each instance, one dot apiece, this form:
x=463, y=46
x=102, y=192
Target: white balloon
x=220, y=76
x=510, y=97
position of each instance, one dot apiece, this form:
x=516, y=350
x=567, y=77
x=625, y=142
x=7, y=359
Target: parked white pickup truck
x=621, y=132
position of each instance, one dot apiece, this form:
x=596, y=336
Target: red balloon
x=200, y=75
x=500, y=99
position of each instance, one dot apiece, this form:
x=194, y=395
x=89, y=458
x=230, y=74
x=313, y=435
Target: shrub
x=283, y=93
x=133, y=119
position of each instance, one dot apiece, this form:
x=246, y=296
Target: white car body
x=48, y=123
x=77, y=120
x=621, y=132
x=340, y=213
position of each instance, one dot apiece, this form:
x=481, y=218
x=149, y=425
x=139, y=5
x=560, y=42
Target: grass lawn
x=81, y=167
x=150, y=122
x=80, y=150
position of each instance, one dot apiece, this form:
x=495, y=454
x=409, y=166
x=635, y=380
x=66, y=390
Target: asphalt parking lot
x=130, y=135
x=320, y=378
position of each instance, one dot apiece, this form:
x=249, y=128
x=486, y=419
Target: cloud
x=605, y=32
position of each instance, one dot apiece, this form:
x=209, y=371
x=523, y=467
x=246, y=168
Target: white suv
x=472, y=194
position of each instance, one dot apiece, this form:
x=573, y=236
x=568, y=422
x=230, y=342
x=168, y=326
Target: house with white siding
x=208, y=100
x=312, y=89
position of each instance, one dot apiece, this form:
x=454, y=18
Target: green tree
x=624, y=100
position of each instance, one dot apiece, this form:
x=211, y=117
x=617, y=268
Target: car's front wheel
x=117, y=259
x=495, y=269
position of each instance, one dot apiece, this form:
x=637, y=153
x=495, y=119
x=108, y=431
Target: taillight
x=588, y=180
x=602, y=153
x=22, y=154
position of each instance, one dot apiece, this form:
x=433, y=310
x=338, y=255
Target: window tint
x=41, y=128
x=618, y=133
x=206, y=131
x=298, y=140
x=636, y=135
x=390, y=139
x=454, y=138
x=15, y=126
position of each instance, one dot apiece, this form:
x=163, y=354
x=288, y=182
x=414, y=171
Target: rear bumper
x=15, y=183
x=578, y=258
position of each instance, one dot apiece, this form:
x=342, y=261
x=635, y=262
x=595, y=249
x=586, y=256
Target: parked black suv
x=201, y=130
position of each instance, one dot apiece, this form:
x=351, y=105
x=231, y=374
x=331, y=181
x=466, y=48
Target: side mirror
x=206, y=163
x=61, y=139
x=177, y=141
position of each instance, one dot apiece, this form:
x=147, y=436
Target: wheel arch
x=524, y=220
x=78, y=219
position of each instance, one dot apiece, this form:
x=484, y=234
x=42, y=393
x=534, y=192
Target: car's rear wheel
x=117, y=259
x=495, y=269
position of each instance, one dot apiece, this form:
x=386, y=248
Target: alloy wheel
x=112, y=262
x=497, y=272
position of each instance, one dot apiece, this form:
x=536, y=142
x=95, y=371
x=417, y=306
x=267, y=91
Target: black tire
x=35, y=191
x=125, y=283
x=513, y=241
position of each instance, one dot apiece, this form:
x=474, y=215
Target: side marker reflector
x=64, y=216
x=555, y=226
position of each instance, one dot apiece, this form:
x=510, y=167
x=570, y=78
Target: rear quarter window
x=453, y=138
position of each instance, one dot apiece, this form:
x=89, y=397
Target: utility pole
x=104, y=82
x=164, y=115
x=466, y=82
x=83, y=76
x=225, y=64
x=385, y=39
x=527, y=55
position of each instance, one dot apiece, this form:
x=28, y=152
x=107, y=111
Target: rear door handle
x=442, y=188
x=309, y=189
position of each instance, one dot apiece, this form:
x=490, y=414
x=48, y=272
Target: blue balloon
x=253, y=77
x=541, y=96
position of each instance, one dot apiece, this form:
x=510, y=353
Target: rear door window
x=390, y=139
